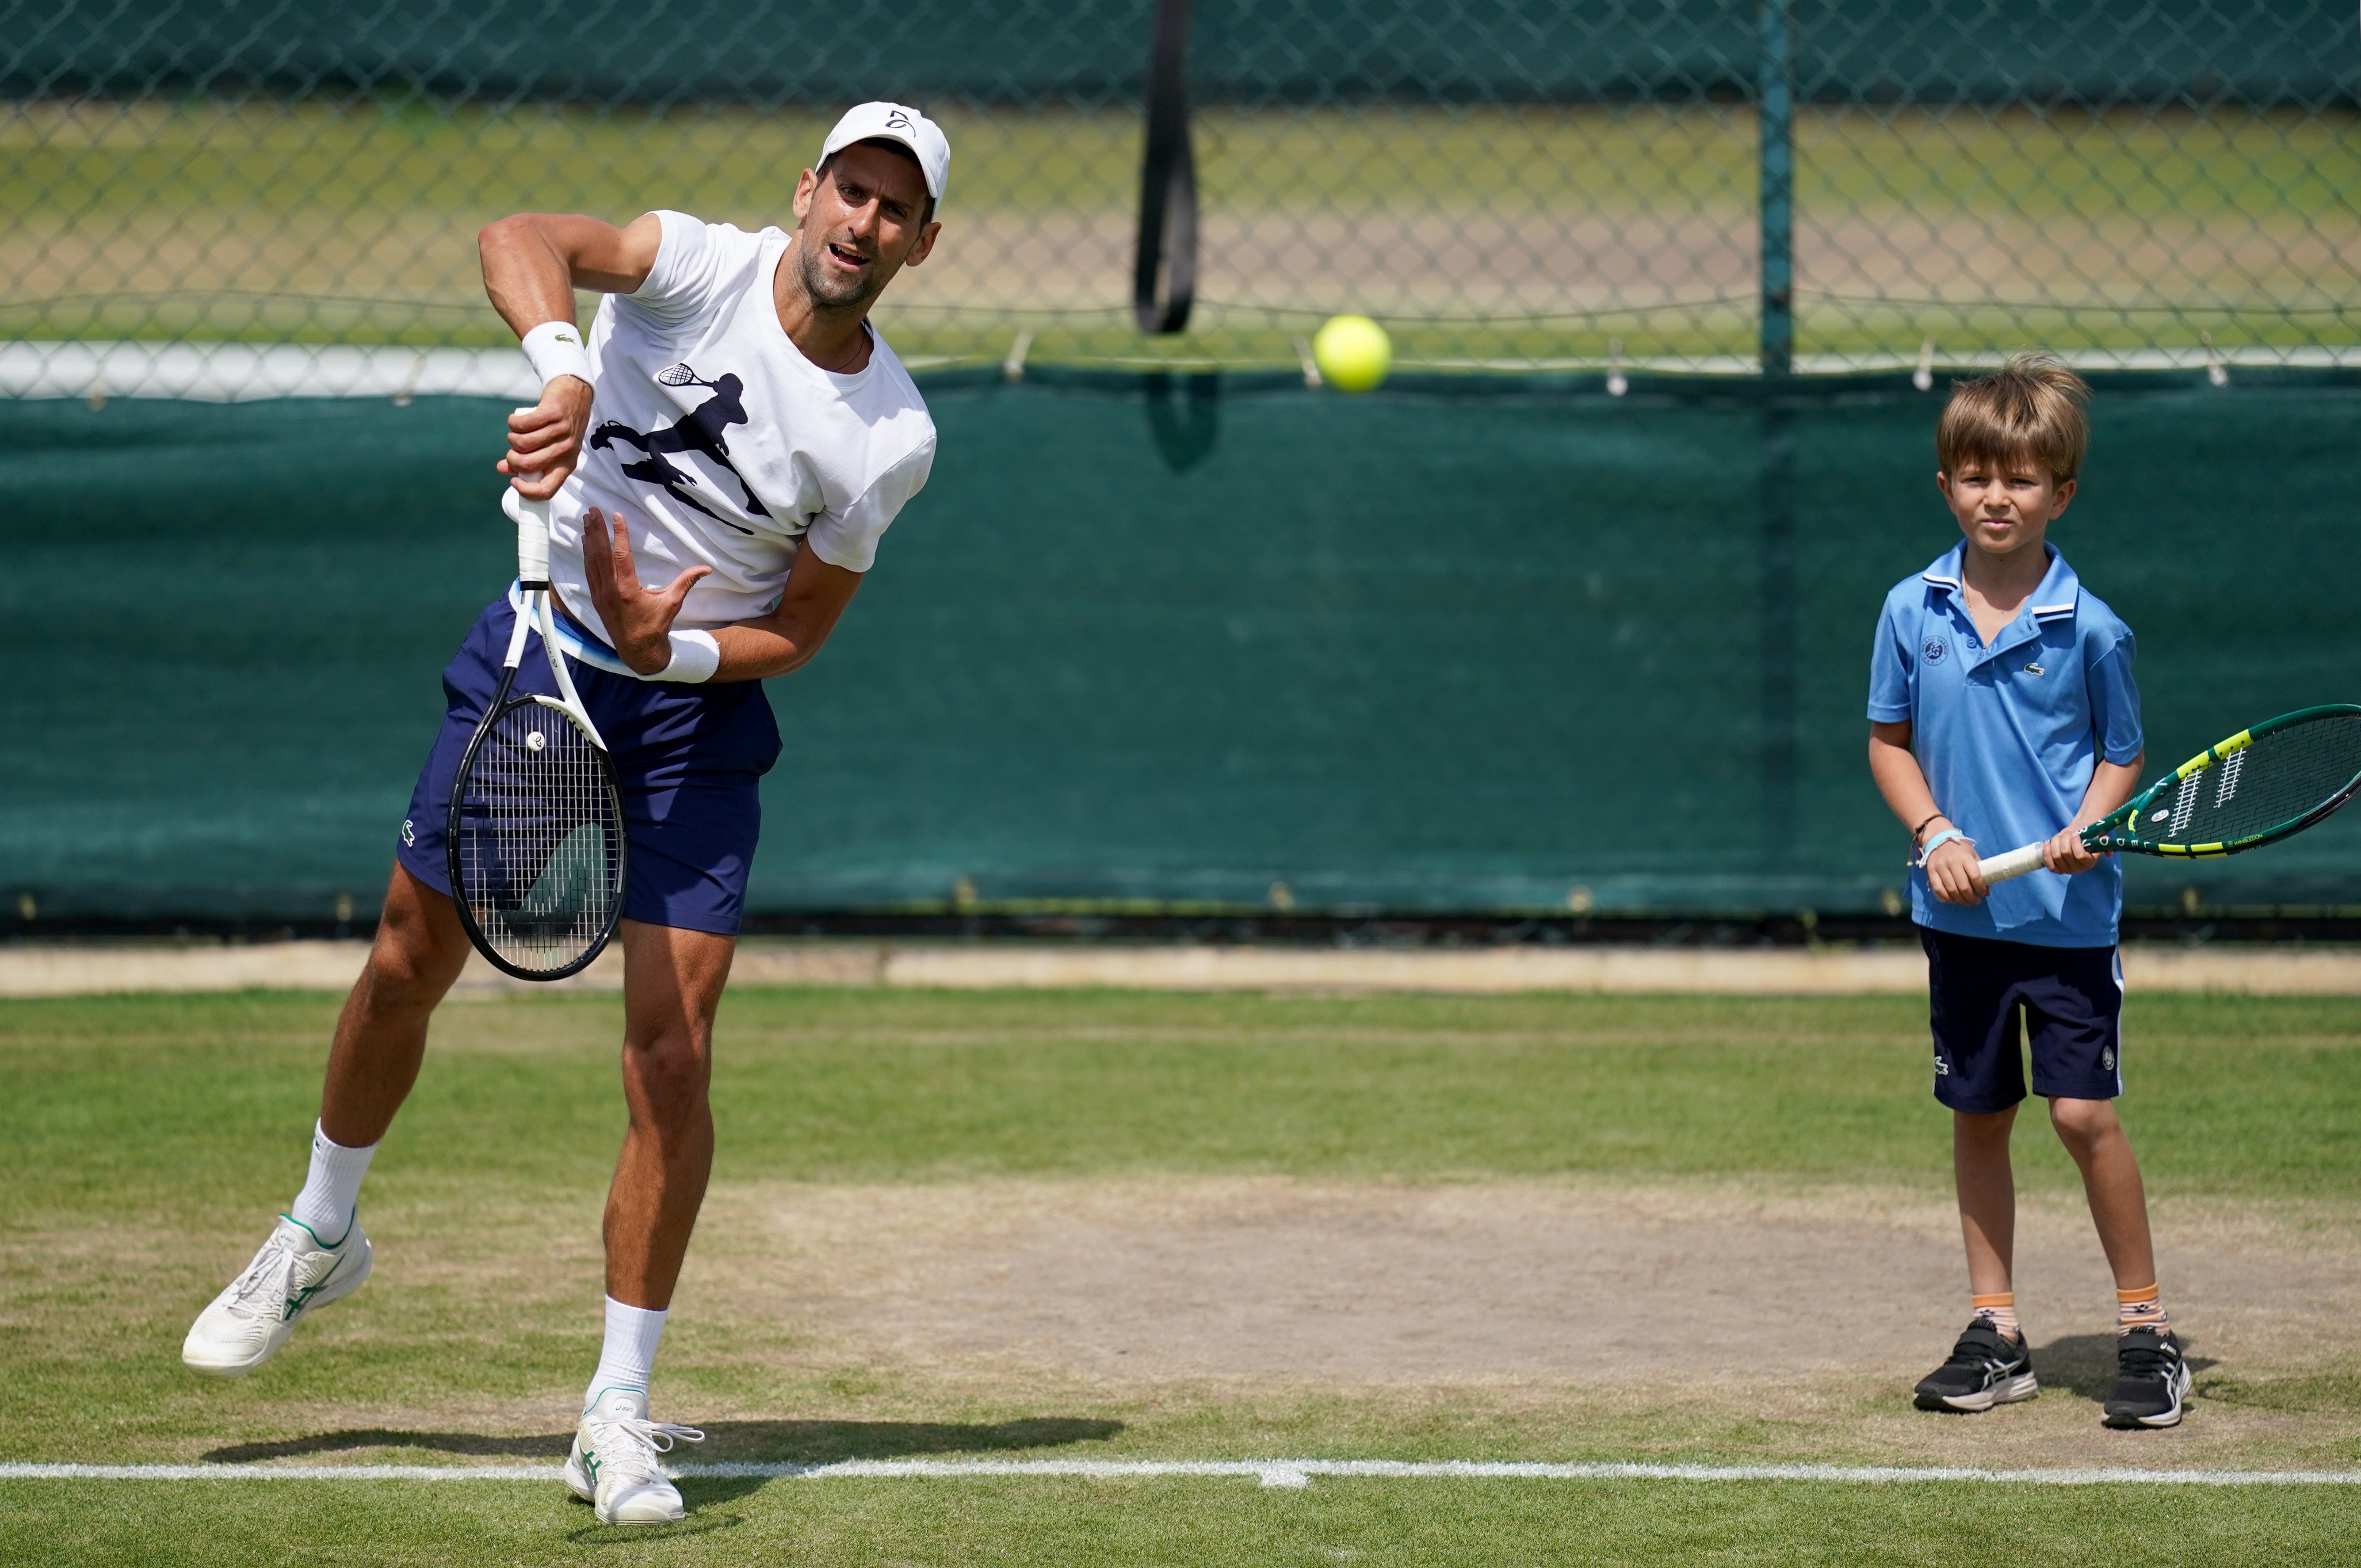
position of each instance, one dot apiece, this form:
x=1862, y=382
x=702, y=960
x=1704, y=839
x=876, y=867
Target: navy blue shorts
x=689, y=760
x=2071, y=1002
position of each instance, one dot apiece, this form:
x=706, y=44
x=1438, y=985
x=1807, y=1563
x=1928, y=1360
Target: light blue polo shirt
x=2009, y=736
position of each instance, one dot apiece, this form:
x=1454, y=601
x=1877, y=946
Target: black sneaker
x=2150, y=1381
x=1986, y=1368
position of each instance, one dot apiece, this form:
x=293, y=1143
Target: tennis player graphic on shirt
x=700, y=430
x=721, y=455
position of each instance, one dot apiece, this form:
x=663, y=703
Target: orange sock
x=2140, y=1308
x=2000, y=1311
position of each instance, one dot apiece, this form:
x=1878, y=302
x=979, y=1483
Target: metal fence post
x=1776, y=132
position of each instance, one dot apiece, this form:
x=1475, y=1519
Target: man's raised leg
x=382, y=1033
x=319, y=1252
x=672, y=986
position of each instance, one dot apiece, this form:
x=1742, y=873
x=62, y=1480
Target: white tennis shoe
x=613, y=1465
x=252, y=1317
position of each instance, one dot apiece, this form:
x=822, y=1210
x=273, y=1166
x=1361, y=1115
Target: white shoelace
x=627, y=1448
x=268, y=1282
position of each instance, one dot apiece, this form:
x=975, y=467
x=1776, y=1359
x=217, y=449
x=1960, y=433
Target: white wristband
x=695, y=656
x=555, y=349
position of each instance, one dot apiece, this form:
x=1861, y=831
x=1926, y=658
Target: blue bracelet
x=1945, y=836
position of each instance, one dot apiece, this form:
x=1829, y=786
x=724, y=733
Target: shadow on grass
x=2085, y=1364
x=640, y=1534
x=773, y=1442
x=2336, y=1393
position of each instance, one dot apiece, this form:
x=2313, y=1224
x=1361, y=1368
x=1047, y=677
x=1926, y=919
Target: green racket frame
x=2107, y=835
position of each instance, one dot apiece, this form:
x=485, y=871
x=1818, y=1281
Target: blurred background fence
x=1552, y=624
x=1507, y=184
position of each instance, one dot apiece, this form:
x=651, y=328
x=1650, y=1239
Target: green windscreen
x=1182, y=644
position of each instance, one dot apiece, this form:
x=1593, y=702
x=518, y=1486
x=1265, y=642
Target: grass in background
x=1520, y=234
x=186, y=1107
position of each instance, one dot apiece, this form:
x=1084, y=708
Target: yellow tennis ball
x=1353, y=353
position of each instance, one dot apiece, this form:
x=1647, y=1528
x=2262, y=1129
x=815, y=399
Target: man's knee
x=419, y=947
x=670, y=1067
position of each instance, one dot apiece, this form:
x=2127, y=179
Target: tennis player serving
x=719, y=458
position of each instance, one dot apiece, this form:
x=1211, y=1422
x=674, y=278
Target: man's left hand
x=637, y=618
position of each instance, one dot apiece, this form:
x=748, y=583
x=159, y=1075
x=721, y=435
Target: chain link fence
x=219, y=197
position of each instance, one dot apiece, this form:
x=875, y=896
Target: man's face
x=858, y=224
x=2003, y=506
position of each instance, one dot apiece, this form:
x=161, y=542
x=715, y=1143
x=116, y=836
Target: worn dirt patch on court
x=1823, y=1307
x=1370, y=1284
x=1531, y=1320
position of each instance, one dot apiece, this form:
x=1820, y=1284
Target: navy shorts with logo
x=689, y=760
x=2071, y=1002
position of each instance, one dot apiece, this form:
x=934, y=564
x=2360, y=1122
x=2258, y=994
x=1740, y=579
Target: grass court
x=1118, y=1226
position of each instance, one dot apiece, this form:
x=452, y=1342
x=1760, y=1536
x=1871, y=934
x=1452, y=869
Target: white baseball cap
x=880, y=121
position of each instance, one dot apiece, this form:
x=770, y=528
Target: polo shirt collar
x=2059, y=592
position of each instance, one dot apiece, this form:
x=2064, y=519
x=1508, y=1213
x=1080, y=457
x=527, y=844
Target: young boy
x=2001, y=711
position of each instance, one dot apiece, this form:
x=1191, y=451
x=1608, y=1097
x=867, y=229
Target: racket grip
x=533, y=537
x=533, y=541
x=2016, y=863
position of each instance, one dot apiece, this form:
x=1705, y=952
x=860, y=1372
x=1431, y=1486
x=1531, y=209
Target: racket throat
x=571, y=702
x=517, y=632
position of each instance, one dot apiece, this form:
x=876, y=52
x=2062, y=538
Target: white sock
x=629, y=1354
x=332, y=1189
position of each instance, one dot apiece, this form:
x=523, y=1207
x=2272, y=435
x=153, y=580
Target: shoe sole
x=2179, y=1386
x=2022, y=1386
x=270, y=1347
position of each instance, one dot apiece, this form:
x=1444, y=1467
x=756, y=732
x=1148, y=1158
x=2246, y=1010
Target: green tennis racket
x=2253, y=789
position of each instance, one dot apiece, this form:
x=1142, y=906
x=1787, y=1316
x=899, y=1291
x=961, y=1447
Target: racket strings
x=2282, y=776
x=540, y=846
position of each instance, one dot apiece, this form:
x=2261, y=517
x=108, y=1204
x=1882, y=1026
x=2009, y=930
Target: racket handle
x=2016, y=862
x=533, y=541
x=532, y=537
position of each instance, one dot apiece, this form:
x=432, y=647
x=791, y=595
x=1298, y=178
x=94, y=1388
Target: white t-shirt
x=721, y=444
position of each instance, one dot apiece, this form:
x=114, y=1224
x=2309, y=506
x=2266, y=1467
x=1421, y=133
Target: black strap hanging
x=1168, y=183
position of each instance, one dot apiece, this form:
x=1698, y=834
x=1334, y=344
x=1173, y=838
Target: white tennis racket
x=536, y=839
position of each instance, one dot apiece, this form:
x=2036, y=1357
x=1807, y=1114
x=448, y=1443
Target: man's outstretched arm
x=533, y=264
x=639, y=618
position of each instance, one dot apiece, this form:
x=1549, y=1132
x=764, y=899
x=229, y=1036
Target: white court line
x=1268, y=1472
x=282, y=1472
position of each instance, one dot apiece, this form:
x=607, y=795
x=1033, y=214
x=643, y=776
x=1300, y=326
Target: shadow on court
x=775, y=1442
x=2085, y=1364
x=701, y=1521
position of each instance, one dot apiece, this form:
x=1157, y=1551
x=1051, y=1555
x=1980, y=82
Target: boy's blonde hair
x=2029, y=407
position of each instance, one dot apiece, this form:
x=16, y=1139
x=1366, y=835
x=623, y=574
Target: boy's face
x=2004, y=505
